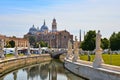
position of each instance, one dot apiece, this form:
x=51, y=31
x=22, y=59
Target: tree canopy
x=32, y=40
x=42, y=44
x=115, y=41
x=12, y=44
x=35, y=43
x=105, y=43
x=89, y=41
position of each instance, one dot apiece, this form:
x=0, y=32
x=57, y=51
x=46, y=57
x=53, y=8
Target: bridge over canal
x=56, y=54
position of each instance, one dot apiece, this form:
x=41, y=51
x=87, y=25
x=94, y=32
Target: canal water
x=50, y=70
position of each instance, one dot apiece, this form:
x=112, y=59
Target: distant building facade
x=19, y=42
x=54, y=38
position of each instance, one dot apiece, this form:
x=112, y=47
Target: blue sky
x=17, y=16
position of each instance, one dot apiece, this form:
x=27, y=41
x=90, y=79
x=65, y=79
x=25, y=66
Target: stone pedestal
x=98, y=58
x=76, y=55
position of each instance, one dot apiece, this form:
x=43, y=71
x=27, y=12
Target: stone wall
x=89, y=72
x=16, y=63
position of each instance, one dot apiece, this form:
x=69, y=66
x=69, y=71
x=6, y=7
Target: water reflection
x=51, y=70
x=15, y=75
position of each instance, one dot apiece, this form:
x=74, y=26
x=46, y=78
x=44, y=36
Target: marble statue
x=28, y=53
x=1, y=49
x=98, y=52
x=39, y=50
x=69, y=53
x=16, y=52
x=76, y=50
x=98, y=40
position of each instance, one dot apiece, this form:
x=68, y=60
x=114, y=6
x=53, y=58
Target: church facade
x=54, y=38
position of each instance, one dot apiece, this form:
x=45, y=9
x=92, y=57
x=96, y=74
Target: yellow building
x=19, y=42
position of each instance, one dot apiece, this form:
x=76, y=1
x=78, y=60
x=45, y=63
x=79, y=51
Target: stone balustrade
x=8, y=65
x=85, y=62
x=86, y=70
x=110, y=67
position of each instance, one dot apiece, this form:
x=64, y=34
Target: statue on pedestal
x=76, y=50
x=69, y=52
x=16, y=52
x=98, y=52
x=28, y=53
x=1, y=49
x=39, y=50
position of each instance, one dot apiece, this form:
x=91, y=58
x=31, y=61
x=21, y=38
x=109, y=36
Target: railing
x=110, y=67
x=15, y=63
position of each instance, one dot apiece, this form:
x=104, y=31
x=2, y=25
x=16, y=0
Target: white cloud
x=74, y=16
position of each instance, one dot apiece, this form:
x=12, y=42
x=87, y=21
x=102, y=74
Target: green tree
x=12, y=43
x=118, y=40
x=89, y=41
x=32, y=40
x=112, y=41
x=42, y=44
x=115, y=41
x=105, y=43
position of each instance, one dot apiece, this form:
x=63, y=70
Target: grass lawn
x=113, y=59
x=8, y=56
x=12, y=55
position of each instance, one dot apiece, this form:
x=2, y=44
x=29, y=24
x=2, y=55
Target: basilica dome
x=32, y=30
x=44, y=27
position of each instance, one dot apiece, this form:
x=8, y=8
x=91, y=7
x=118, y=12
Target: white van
x=9, y=50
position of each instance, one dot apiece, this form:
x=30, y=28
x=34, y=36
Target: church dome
x=54, y=20
x=44, y=27
x=32, y=30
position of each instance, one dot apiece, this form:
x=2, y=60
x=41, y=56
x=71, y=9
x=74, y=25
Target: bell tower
x=54, y=25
